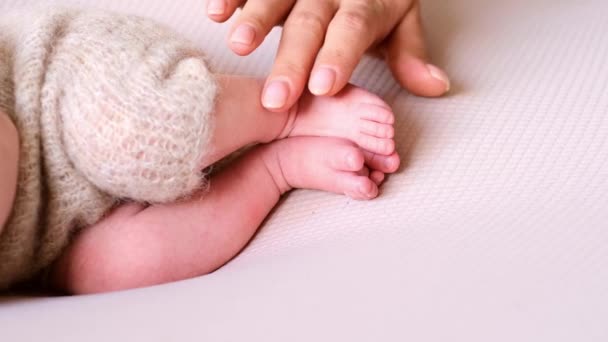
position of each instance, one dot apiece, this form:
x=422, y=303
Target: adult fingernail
x=275, y=94
x=216, y=7
x=440, y=75
x=244, y=34
x=322, y=81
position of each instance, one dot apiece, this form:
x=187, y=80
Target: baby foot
x=354, y=114
x=240, y=120
x=327, y=164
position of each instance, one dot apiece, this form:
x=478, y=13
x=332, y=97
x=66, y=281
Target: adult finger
x=302, y=37
x=255, y=22
x=222, y=10
x=408, y=60
x=355, y=27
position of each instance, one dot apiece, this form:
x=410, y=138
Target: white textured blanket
x=496, y=229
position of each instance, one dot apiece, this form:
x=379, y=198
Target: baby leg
x=136, y=246
x=9, y=152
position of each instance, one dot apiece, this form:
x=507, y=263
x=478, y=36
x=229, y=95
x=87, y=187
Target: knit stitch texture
x=108, y=107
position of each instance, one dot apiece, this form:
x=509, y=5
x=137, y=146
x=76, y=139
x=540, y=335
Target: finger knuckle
x=375, y=7
x=355, y=20
x=307, y=20
x=338, y=53
x=292, y=68
x=259, y=20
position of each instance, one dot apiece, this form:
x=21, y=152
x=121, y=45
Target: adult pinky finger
x=222, y=10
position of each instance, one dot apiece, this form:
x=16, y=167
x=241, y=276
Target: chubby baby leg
x=136, y=246
x=9, y=154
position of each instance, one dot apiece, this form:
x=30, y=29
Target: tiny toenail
x=440, y=75
x=351, y=162
x=322, y=81
x=244, y=34
x=276, y=94
x=216, y=7
x=389, y=164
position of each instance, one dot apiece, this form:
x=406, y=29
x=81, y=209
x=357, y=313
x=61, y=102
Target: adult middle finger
x=302, y=37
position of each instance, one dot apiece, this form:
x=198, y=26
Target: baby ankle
x=289, y=125
x=274, y=166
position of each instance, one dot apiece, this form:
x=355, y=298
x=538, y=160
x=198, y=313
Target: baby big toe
x=346, y=158
x=359, y=186
x=377, y=177
x=367, y=188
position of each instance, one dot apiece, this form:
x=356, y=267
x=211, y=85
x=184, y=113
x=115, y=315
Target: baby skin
x=342, y=144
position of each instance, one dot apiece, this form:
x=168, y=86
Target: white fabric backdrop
x=495, y=229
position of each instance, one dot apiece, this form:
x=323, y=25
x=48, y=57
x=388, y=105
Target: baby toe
x=378, y=114
x=383, y=163
x=363, y=96
x=363, y=172
x=361, y=188
x=377, y=145
x=367, y=188
x=377, y=177
x=346, y=158
x=376, y=129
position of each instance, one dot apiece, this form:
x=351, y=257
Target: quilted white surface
x=496, y=229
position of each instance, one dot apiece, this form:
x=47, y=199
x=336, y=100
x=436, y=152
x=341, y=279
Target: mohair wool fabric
x=108, y=107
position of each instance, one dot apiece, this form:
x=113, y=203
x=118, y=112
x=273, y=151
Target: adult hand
x=323, y=41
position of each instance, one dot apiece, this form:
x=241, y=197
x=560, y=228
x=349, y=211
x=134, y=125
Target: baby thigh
x=9, y=155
